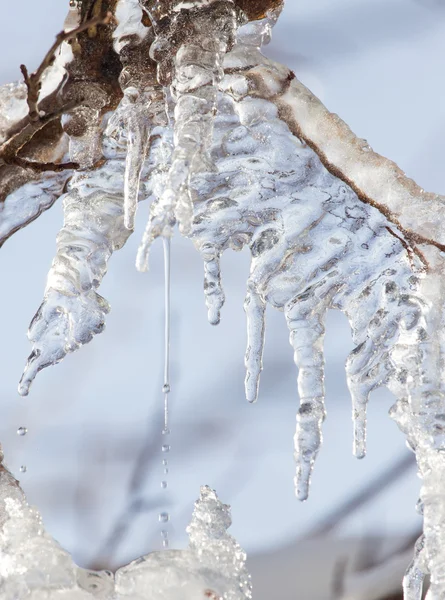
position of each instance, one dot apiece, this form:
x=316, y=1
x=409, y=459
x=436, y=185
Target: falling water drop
x=165, y=448
x=22, y=431
x=164, y=517
x=163, y=484
x=164, y=462
x=23, y=469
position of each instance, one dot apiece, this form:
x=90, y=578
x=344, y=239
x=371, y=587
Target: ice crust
x=235, y=150
x=33, y=565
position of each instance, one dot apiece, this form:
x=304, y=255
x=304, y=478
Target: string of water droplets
x=164, y=517
x=21, y=432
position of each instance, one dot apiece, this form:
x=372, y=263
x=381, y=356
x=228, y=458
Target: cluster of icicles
x=217, y=159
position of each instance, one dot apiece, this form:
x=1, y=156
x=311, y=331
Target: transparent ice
x=34, y=566
x=235, y=150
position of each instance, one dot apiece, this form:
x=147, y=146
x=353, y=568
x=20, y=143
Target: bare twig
x=15, y=143
x=43, y=167
x=33, y=81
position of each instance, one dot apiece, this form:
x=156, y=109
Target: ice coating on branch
x=72, y=310
x=212, y=567
x=216, y=548
x=34, y=567
x=189, y=52
x=13, y=106
x=315, y=245
x=28, y=201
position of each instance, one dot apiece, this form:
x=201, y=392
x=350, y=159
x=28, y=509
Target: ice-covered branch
x=235, y=149
x=72, y=311
x=32, y=564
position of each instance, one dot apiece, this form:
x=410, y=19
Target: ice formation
x=230, y=146
x=34, y=566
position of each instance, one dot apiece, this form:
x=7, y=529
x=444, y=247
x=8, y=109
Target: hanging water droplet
x=166, y=388
x=164, y=517
x=165, y=448
x=163, y=484
x=23, y=469
x=22, y=431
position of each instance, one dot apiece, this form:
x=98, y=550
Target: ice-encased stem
x=255, y=309
x=72, y=312
x=306, y=326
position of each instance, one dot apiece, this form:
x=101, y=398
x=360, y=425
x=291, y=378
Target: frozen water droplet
x=165, y=448
x=23, y=469
x=163, y=484
x=166, y=388
x=22, y=431
x=164, y=517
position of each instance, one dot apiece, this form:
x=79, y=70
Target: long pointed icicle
x=306, y=337
x=355, y=364
x=255, y=309
x=137, y=142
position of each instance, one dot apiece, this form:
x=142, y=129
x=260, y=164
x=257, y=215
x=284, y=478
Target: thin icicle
x=305, y=322
x=416, y=572
x=167, y=321
x=255, y=308
x=214, y=294
x=138, y=135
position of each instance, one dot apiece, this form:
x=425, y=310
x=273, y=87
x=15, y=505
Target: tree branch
x=33, y=81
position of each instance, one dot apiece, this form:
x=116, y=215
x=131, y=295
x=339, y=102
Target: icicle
x=255, y=308
x=359, y=394
x=137, y=136
x=33, y=565
x=214, y=294
x=305, y=323
x=416, y=573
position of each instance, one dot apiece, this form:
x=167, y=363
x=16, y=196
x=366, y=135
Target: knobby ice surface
x=33, y=565
x=209, y=137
